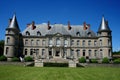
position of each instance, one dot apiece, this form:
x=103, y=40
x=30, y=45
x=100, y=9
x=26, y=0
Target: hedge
x=15, y=59
x=3, y=58
x=55, y=64
x=117, y=61
x=105, y=60
x=28, y=59
x=82, y=60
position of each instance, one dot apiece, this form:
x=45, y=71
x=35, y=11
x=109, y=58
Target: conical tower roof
x=14, y=23
x=104, y=25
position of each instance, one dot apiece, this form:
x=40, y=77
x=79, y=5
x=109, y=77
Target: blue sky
x=60, y=11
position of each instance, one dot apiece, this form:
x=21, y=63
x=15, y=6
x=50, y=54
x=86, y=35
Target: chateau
x=49, y=41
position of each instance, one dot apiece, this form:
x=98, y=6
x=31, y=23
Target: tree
x=1, y=47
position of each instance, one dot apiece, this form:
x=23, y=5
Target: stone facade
x=48, y=41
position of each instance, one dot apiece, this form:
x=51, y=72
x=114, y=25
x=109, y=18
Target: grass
x=10, y=72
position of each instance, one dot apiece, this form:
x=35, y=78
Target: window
x=89, y=34
x=101, y=53
x=100, y=42
x=27, y=33
x=37, y=52
x=78, y=42
x=7, y=50
x=109, y=43
x=43, y=42
x=95, y=53
x=38, y=42
x=89, y=52
x=83, y=43
x=78, y=53
x=89, y=43
x=95, y=43
x=50, y=41
x=8, y=40
x=109, y=53
x=26, y=42
x=38, y=33
x=43, y=52
x=31, y=51
x=83, y=52
x=72, y=42
x=32, y=42
x=65, y=52
x=65, y=42
x=58, y=42
x=78, y=34
x=72, y=52
x=25, y=51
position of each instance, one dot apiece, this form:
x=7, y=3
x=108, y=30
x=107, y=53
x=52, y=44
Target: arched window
x=8, y=40
x=83, y=52
x=58, y=42
x=32, y=42
x=78, y=34
x=43, y=52
x=78, y=42
x=37, y=42
x=27, y=33
x=43, y=42
x=50, y=42
x=83, y=43
x=31, y=51
x=89, y=43
x=26, y=42
x=89, y=52
x=95, y=53
x=100, y=42
x=38, y=33
x=7, y=50
x=25, y=51
x=95, y=43
x=72, y=42
x=72, y=52
x=101, y=53
x=78, y=53
x=109, y=53
x=65, y=42
x=109, y=43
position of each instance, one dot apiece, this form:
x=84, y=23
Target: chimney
x=49, y=27
x=33, y=25
x=9, y=21
x=84, y=26
x=69, y=27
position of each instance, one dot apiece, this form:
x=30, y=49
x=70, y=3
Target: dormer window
x=38, y=33
x=27, y=33
x=78, y=34
x=89, y=34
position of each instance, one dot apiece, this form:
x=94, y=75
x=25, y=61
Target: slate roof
x=58, y=28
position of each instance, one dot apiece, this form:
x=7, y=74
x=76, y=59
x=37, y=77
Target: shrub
x=93, y=61
x=28, y=58
x=82, y=60
x=105, y=60
x=15, y=59
x=3, y=58
x=117, y=61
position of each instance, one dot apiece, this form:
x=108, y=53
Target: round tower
x=12, y=39
x=104, y=40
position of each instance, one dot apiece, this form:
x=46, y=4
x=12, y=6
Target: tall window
x=26, y=42
x=58, y=42
x=83, y=52
x=43, y=42
x=50, y=41
x=78, y=53
x=95, y=53
x=89, y=52
x=65, y=42
x=89, y=43
x=100, y=42
x=37, y=52
x=38, y=33
x=31, y=51
x=38, y=42
x=78, y=42
x=32, y=42
x=109, y=53
x=8, y=40
x=43, y=52
x=72, y=42
x=109, y=43
x=101, y=53
x=72, y=52
x=65, y=52
x=95, y=43
x=89, y=34
x=25, y=51
x=83, y=43
x=7, y=49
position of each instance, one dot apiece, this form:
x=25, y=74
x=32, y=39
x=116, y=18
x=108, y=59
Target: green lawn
x=10, y=72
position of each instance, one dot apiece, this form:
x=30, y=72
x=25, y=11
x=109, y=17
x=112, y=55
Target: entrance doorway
x=57, y=53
